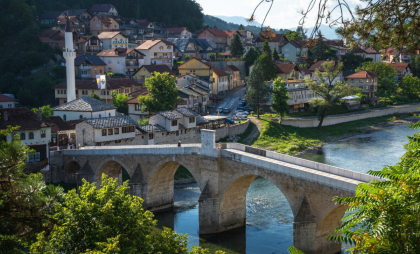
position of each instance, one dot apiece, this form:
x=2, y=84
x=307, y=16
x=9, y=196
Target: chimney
x=39, y=114
x=5, y=116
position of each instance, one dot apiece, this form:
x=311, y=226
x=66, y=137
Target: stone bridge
x=223, y=176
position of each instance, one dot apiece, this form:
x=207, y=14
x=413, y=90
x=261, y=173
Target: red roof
x=304, y=71
x=359, y=51
x=227, y=54
x=230, y=33
x=58, y=124
x=135, y=95
x=363, y=74
x=400, y=67
x=23, y=117
x=121, y=52
x=298, y=44
x=215, y=32
x=371, y=50
x=285, y=68
x=176, y=30
x=4, y=98
x=219, y=72
x=231, y=68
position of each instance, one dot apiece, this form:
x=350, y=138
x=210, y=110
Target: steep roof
x=363, y=74
x=90, y=83
x=158, y=68
x=231, y=68
x=4, y=98
x=23, y=117
x=52, y=34
x=149, y=44
x=215, y=32
x=169, y=115
x=304, y=70
x=186, y=112
x=230, y=33
x=371, y=50
x=120, y=52
x=400, y=67
x=298, y=44
x=359, y=51
x=181, y=44
x=219, y=72
x=285, y=68
x=103, y=17
x=318, y=65
x=134, y=95
x=101, y=7
x=63, y=19
x=92, y=59
x=110, y=122
x=84, y=103
x=276, y=38
x=109, y=35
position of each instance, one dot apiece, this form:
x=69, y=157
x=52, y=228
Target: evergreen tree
x=280, y=98
x=241, y=27
x=322, y=51
x=236, y=46
x=266, y=61
x=415, y=65
x=250, y=57
x=258, y=91
x=215, y=27
x=301, y=31
x=276, y=56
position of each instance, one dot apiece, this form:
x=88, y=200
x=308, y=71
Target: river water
x=269, y=226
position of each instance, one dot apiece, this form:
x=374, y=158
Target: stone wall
x=239, y=64
x=87, y=137
x=232, y=130
x=305, y=122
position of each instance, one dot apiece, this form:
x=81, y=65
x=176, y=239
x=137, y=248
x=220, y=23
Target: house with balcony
x=83, y=14
x=33, y=131
x=178, y=32
x=149, y=29
x=367, y=81
x=122, y=60
x=294, y=50
x=93, y=45
x=402, y=69
x=196, y=66
x=89, y=85
x=277, y=42
x=7, y=102
x=157, y=52
x=134, y=109
x=217, y=38
x=106, y=9
x=220, y=81
x=103, y=23
x=146, y=71
x=199, y=48
x=299, y=95
x=287, y=71
x=112, y=40
x=88, y=66
x=235, y=76
x=77, y=25
x=246, y=36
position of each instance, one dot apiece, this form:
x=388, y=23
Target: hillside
x=221, y=24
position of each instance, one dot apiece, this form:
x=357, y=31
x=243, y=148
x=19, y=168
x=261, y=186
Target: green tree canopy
x=236, y=46
x=266, y=61
x=387, y=81
x=276, y=56
x=352, y=61
x=383, y=216
x=410, y=87
x=280, y=98
x=330, y=93
x=322, y=51
x=95, y=96
x=266, y=48
x=258, y=91
x=293, y=36
x=118, y=101
x=241, y=27
x=415, y=65
x=250, y=57
x=162, y=93
x=46, y=110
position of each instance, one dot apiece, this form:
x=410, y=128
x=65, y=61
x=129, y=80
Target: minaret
x=69, y=54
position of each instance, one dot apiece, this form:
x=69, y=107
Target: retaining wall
x=305, y=122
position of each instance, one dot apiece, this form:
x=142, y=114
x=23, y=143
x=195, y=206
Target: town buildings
x=106, y=9
x=220, y=81
x=277, y=42
x=199, y=67
x=111, y=40
x=88, y=66
x=84, y=107
x=134, y=110
x=7, y=102
x=234, y=76
x=157, y=52
x=367, y=81
x=122, y=60
x=103, y=23
x=217, y=38
x=146, y=71
x=198, y=48
x=402, y=69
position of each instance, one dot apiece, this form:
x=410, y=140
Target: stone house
x=103, y=23
x=106, y=9
x=146, y=71
x=220, y=81
x=199, y=67
x=6, y=101
x=367, y=81
x=122, y=60
x=111, y=40
x=157, y=52
x=217, y=38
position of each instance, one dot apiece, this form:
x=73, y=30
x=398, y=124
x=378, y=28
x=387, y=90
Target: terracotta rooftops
x=22, y=117
x=230, y=33
x=400, y=67
x=318, y=65
x=109, y=35
x=219, y=72
x=58, y=124
x=231, y=68
x=371, y=50
x=215, y=32
x=363, y=74
x=304, y=71
x=285, y=68
x=121, y=52
x=142, y=92
x=4, y=98
x=149, y=44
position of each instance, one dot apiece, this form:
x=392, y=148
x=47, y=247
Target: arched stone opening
x=70, y=171
x=111, y=169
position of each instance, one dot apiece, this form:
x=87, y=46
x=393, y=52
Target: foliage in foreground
x=258, y=90
x=280, y=98
x=384, y=216
x=107, y=220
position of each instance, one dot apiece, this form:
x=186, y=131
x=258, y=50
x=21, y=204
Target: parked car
x=242, y=115
x=238, y=111
x=226, y=110
x=248, y=108
x=244, y=103
x=229, y=120
x=240, y=106
x=219, y=109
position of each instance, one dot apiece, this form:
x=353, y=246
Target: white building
x=111, y=40
x=189, y=79
x=157, y=52
x=84, y=107
x=166, y=119
x=122, y=60
x=134, y=110
x=6, y=101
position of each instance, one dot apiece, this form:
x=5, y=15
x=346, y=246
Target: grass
x=290, y=139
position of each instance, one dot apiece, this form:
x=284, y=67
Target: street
x=231, y=100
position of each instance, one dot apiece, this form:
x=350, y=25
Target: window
x=22, y=136
x=97, y=25
x=58, y=91
x=103, y=132
x=367, y=80
x=173, y=123
x=150, y=135
x=115, y=26
x=116, y=131
x=131, y=129
x=43, y=134
x=360, y=80
x=110, y=132
x=109, y=114
x=192, y=120
x=100, y=71
x=64, y=117
x=31, y=135
x=136, y=107
x=352, y=80
x=177, y=133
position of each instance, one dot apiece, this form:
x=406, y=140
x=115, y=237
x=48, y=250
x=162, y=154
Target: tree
x=95, y=96
x=352, y=61
x=236, y=46
x=301, y=31
x=118, y=101
x=144, y=121
x=46, y=110
x=276, y=56
x=293, y=36
x=162, y=93
x=322, y=51
x=109, y=217
x=26, y=202
x=415, y=65
x=280, y=98
x=250, y=57
x=383, y=216
x=410, y=87
x=258, y=91
x=330, y=93
x=241, y=27
x=266, y=61
x=212, y=56
x=214, y=27
x=387, y=83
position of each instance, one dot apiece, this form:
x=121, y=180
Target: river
x=269, y=226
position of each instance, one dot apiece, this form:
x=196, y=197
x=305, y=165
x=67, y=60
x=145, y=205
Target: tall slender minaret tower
x=69, y=54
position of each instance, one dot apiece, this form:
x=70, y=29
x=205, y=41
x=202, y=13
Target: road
x=231, y=100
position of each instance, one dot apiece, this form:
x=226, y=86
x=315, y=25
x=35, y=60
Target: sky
x=283, y=14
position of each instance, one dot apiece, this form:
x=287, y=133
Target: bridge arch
x=326, y=226
x=112, y=168
x=70, y=171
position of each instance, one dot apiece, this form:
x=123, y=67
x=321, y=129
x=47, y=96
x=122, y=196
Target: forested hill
x=180, y=12
x=221, y=24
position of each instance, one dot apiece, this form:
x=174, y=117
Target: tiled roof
x=400, y=67
x=160, y=68
x=23, y=117
x=111, y=83
x=182, y=44
x=230, y=33
x=318, y=65
x=52, y=34
x=201, y=60
x=84, y=103
x=298, y=44
x=186, y=112
x=151, y=128
x=58, y=124
x=285, y=68
x=4, y=98
x=216, y=32
x=109, y=35
x=231, y=68
x=277, y=38
x=304, y=71
x=363, y=74
x=103, y=17
x=226, y=54
x=219, y=72
x=144, y=22
x=50, y=14
x=149, y=44
x=92, y=59
x=63, y=19
x=143, y=92
x=120, y=52
x=371, y=50
x=359, y=51
x=101, y=7
x=200, y=120
x=176, y=30
x=169, y=115
x=110, y=122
